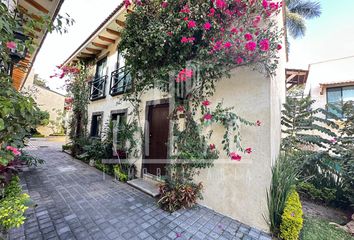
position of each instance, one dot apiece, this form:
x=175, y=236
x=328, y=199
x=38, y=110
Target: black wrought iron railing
x=98, y=88
x=121, y=81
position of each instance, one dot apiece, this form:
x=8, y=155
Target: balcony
x=98, y=88
x=121, y=81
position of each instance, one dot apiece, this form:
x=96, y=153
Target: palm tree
x=297, y=11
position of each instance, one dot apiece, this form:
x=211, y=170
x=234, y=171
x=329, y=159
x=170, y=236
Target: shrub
x=324, y=195
x=291, y=220
x=179, y=195
x=30, y=160
x=284, y=176
x=66, y=147
x=13, y=206
x=118, y=172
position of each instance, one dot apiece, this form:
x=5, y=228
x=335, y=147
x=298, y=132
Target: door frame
x=147, y=107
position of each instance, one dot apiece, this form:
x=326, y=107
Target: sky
x=328, y=37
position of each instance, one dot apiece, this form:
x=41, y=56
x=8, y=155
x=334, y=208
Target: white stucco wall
x=331, y=71
x=46, y=100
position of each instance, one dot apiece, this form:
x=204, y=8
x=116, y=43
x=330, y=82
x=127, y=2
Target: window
x=96, y=125
x=120, y=78
x=98, y=85
x=118, y=118
x=337, y=97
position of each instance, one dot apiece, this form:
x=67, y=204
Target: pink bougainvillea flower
x=333, y=140
x=11, y=45
x=256, y=21
x=211, y=12
x=178, y=235
x=180, y=108
x=218, y=45
x=220, y=4
x=207, y=26
x=212, y=147
x=235, y=157
x=191, y=39
x=248, y=36
x=138, y=2
x=258, y=123
x=251, y=46
x=239, y=60
x=185, y=9
x=265, y=4
x=279, y=47
x=264, y=44
x=184, y=40
x=184, y=75
x=169, y=33
x=227, y=44
x=234, y=30
x=191, y=24
x=208, y=117
x=69, y=100
x=164, y=4
x=248, y=150
x=127, y=3
x=206, y=103
x=14, y=150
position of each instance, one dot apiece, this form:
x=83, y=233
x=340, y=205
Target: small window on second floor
x=96, y=125
x=337, y=97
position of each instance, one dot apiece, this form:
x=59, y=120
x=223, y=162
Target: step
x=147, y=186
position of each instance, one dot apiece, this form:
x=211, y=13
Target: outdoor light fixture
x=19, y=53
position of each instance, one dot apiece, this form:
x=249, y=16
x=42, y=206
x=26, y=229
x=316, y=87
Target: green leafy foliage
x=284, y=178
x=13, y=206
x=325, y=195
x=30, y=160
x=304, y=126
x=291, y=220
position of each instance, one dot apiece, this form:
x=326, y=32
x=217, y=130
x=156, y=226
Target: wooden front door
x=158, y=131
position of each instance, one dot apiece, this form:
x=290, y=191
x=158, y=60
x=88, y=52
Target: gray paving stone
x=75, y=202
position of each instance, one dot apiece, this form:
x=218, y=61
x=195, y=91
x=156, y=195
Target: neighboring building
x=32, y=9
x=47, y=100
x=239, y=190
x=331, y=82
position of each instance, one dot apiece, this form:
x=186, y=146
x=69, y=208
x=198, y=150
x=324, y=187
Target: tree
x=297, y=11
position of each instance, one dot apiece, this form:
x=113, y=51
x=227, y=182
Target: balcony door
x=98, y=84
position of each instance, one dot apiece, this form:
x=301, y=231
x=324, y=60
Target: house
x=331, y=82
x=47, y=100
x=31, y=9
x=234, y=189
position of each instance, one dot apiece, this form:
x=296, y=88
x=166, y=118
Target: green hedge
x=292, y=219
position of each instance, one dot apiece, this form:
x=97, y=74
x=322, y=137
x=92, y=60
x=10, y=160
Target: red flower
x=206, y=103
x=239, y=60
x=248, y=150
x=192, y=24
x=235, y=157
x=211, y=12
x=164, y=4
x=264, y=44
x=180, y=108
x=69, y=100
x=11, y=45
x=220, y=4
x=256, y=21
x=14, y=150
x=208, y=117
x=258, y=123
x=169, y=33
x=251, y=46
x=207, y=26
x=234, y=30
x=184, y=40
x=127, y=3
x=184, y=75
x=185, y=9
x=227, y=45
x=279, y=47
x=265, y=3
x=248, y=36
x=212, y=146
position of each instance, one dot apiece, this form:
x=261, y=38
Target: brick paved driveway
x=75, y=202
